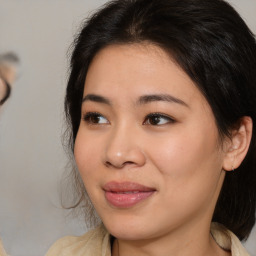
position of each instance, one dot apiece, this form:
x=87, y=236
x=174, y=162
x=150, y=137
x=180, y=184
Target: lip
x=126, y=194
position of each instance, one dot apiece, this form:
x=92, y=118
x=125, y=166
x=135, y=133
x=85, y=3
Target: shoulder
x=227, y=240
x=93, y=243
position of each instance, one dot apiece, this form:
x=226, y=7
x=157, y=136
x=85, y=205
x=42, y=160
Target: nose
x=123, y=149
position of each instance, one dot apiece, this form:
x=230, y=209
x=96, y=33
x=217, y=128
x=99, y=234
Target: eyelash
x=88, y=118
x=158, y=116
x=93, y=118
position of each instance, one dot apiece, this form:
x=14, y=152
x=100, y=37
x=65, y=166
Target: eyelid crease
x=91, y=113
x=161, y=115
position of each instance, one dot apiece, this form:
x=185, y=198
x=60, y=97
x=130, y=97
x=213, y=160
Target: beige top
x=97, y=243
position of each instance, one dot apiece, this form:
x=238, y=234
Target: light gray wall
x=32, y=160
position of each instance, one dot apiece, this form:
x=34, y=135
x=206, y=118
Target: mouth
x=126, y=194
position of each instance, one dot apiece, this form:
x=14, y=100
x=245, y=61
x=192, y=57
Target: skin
x=2, y=89
x=178, y=154
x=9, y=74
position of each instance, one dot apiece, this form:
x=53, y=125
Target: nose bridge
x=122, y=146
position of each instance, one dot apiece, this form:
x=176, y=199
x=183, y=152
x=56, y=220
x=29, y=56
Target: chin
x=128, y=233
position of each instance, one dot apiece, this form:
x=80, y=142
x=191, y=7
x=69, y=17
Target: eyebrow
x=145, y=99
x=96, y=98
x=160, y=97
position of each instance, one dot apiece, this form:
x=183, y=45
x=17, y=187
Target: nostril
x=114, y=158
x=109, y=164
x=128, y=162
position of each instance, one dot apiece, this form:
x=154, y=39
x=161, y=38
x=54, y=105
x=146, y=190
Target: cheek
x=187, y=146
x=86, y=154
x=87, y=157
x=190, y=170
x=187, y=158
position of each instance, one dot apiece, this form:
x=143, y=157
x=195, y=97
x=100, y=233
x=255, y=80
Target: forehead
x=132, y=70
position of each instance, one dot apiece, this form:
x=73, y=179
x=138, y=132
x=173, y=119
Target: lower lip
x=126, y=200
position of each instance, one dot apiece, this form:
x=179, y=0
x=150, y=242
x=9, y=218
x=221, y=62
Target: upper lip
x=126, y=186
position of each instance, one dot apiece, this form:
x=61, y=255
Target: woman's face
x=147, y=147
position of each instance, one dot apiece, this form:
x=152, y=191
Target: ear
x=237, y=146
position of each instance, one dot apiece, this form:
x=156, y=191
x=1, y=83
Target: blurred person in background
x=8, y=72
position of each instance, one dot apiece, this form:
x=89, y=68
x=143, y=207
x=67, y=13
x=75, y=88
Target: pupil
x=95, y=119
x=154, y=120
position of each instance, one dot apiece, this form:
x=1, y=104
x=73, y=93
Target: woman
x=161, y=103
x=8, y=63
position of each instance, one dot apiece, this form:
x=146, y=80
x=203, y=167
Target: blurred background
x=32, y=159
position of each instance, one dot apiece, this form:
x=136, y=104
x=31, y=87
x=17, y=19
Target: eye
x=95, y=118
x=158, y=119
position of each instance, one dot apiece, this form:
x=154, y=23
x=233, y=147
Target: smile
x=126, y=194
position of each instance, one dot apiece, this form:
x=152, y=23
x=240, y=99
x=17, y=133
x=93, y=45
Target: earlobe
x=237, y=147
